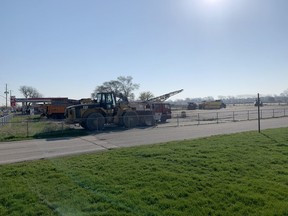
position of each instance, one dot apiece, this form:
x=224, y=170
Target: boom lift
x=161, y=110
x=164, y=97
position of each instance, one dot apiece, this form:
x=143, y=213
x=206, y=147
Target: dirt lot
x=229, y=114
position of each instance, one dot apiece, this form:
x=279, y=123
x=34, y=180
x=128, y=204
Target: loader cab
x=106, y=100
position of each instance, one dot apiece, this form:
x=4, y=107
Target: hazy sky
x=65, y=48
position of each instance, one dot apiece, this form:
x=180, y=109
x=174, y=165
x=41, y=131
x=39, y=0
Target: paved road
x=11, y=152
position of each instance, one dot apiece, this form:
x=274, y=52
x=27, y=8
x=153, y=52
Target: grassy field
x=31, y=127
x=239, y=174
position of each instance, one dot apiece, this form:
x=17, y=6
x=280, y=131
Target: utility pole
x=6, y=92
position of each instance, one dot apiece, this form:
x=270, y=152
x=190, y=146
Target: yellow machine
x=106, y=110
x=217, y=104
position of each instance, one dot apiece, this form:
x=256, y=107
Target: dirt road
x=11, y=152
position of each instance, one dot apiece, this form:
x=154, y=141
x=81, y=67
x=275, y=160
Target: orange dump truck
x=56, y=108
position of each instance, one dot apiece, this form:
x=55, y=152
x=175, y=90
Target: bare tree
x=29, y=92
x=208, y=98
x=284, y=93
x=123, y=85
x=146, y=96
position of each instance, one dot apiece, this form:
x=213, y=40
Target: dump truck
x=55, y=109
x=105, y=109
x=217, y=104
x=192, y=106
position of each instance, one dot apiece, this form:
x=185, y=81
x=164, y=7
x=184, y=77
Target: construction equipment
x=256, y=103
x=217, y=104
x=105, y=109
x=55, y=109
x=162, y=111
x=164, y=97
x=192, y=106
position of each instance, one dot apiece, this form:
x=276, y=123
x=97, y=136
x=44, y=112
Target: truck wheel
x=149, y=120
x=163, y=118
x=83, y=124
x=95, y=121
x=130, y=119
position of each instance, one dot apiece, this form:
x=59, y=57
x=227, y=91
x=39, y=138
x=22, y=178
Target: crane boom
x=164, y=97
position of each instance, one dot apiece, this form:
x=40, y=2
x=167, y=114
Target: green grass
x=239, y=174
x=24, y=127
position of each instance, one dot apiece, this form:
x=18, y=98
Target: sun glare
x=203, y=8
x=212, y=2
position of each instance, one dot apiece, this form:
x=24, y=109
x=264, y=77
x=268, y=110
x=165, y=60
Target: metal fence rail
x=196, y=117
x=5, y=119
x=39, y=127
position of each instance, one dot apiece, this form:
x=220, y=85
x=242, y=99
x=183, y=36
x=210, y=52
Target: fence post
x=198, y=119
x=177, y=120
x=233, y=116
x=248, y=115
x=273, y=114
x=27, y=128
x=217, y=117
x=258, y=105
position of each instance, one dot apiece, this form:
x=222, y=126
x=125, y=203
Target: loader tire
x=95, y=121
x=83, y=124
x=130, y=119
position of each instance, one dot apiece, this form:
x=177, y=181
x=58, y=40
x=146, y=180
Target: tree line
x=125, y=86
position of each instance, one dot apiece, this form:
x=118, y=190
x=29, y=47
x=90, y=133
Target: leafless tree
x=29, y=92
x=284, y=93
x=123, y=85
x=146, y=96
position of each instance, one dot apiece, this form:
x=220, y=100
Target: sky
x=65, y=48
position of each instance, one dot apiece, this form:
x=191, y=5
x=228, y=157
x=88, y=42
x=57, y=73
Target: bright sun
x=203, y=7
x=212, y=2
x=215, y=4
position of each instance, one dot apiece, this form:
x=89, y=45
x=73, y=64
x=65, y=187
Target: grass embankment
x=32, y=127
x=240, y=174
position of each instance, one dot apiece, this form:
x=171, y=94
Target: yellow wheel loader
x=106, y=110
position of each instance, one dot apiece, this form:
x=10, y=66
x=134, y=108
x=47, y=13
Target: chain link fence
x=198, y=117
x=25, y=126
x=13, y=127
x=5, y=119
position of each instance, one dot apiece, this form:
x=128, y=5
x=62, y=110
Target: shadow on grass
x=114, y=128
x=54, y=131
x=49, y=135
x=62, y=134
x=269, y=137
x=273, y=139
